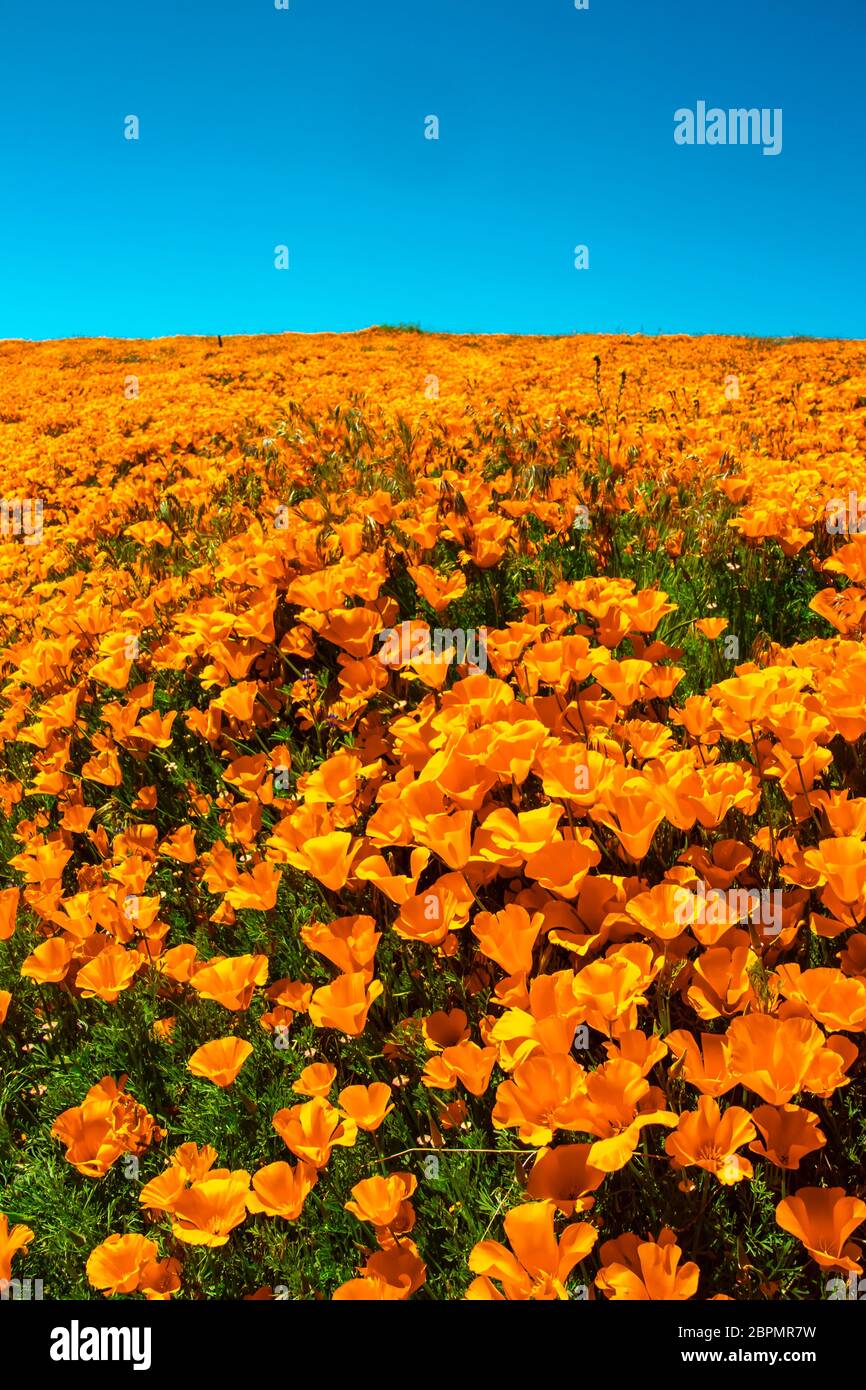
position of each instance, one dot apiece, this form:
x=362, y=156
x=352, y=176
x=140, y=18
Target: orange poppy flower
x=822, y=1218
x=230, y=980
x=610, y=991
x=707, y=1138
x=831, y=998
x=466, y=1062
x=561, y=867
x=208, y=1211
x=352, y=629
x=788, y=1133
x=179, y=962
x=163, y=1028
x=108, y=974
x=238, y=701
x=187, y=1164
x=721, y=983
x=345, y=1003
x=636, y=1047
x=391, y=1275
x=161, y=1193
x=548, y=1025
x=108, y=1123
x=315, y=1080
x=776, y=1058
x=438, y=590
x=367, y=1106
x=49, y=962
x=349, y=942
x=400, y=1266
x=711, y=627
x=333, y=783
x=442, y=907
x=634, y=1269
x=625, y=680
x=449, y=835
x=445, y=1029
x=538, y=1265
x=853, y=957
x=543, y=1095
x=329, y=858
x=280, y=1190
x=159, y=1279
x=105, y=768
x=278, y=1021
x=381, y=1200
x=706, y=1067
x=660, y=911
x=629, y=808
x=180, y=845
x=368, y=1289
x=11, y=1242
x=508, y=937
x=9, y=898
x=841, y=862
x=509, y=839
x=256, y=890
x=313, y=1129
x=617, y=1104
x=566, y=1177
x=193, y=1161
x=116, y=1266
x=398, y=888
x=220, y=1061
x=292, y=994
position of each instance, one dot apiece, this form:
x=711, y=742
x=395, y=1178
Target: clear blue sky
x=305, y=127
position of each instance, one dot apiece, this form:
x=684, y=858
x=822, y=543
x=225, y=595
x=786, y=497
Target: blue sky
x=305, y=128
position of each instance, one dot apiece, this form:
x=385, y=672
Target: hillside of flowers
x=433, y=817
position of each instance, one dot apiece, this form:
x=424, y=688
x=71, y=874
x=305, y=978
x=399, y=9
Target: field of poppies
x=432, y=818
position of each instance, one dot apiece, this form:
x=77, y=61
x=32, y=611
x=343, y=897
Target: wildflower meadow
x=433, y=818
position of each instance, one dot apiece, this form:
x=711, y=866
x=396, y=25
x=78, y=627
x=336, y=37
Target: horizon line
x=413, y=328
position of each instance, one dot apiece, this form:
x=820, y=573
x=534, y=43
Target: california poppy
x=117, y=1265
x=822, y=1218
x=636, y=1269
x=11, y=1243
x=566, y=1177
x=367, y=1105
x=787, y=1134
x=315, y=1080
x=379, y=1200
x=230, y=980
x=313, y=1129
x=221, y=1060
x=206, y=1212
x=710, y=1139
x=345, y=1003
x=280, y=1190
x=538, y=1265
